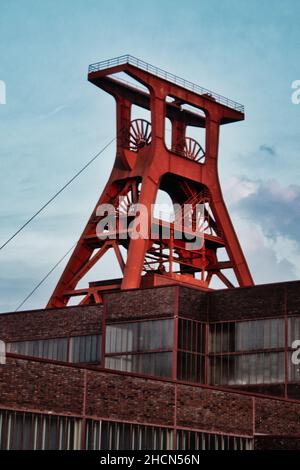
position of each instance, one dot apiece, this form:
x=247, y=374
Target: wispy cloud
x=267, y=261
x=54, y=112
x=268, y=150
x=274, y=207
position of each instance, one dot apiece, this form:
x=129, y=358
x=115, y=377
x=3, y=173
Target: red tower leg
x=187, y=171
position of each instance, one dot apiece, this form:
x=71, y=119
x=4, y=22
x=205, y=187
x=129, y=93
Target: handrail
x=170, y=77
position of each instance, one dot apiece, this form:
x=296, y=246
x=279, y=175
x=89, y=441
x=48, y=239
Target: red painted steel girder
x=187, y=171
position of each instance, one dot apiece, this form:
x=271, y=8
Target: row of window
x=158, y=335
x=241, y=369
x=252, y=335
x=187, y=440
x=103, y=435
x=73, y=349
x=146, y=347
x=244, y=369
x=30, y=431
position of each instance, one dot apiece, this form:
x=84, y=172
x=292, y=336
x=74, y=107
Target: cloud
x=264, y=158
x=266, y=215
x=275, y=208
x=268, y=150
x=54, y=111
x=235, y=189
x=266, y=259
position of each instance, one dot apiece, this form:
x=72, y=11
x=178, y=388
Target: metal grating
x=170, y=77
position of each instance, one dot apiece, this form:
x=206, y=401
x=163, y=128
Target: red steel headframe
x=144, y=164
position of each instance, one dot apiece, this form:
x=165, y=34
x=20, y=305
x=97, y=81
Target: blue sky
x=54, y=120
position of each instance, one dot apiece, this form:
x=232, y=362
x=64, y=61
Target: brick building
x=157, y=360
x=168, y=367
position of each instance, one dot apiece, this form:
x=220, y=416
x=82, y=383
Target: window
x=146, y=347
x=244, y=369
x=155, y=364
x=85, y=348
x=293, y=334
x=264, y=342
x=74, y=349
x=102, y=435
x=139, y=336
x=247, y=335
x=28, y=431
x=191, y=335
x=191, y=440
x=293, y=330
x=190, y=367
x=47, y=348
x=191, y=349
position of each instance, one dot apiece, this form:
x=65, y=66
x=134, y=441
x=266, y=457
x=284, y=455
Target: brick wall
x=51, y=323
x=121, y=397
x=35, y=385
x=276, y=417
x=214, y=410
x=140, y=303
x=43, y=386
x=193, y=303
x=247, y=303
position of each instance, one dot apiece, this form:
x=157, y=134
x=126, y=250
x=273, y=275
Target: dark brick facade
x=198, y=408
x=140, y=304
x=248, y=302
x=127, y=398
x=273, y=300
x=193, y=304
x=51, y=323
x=40, y=386
x=277, y=418
x=46, y=386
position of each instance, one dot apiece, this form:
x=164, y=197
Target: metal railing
x=170, y=77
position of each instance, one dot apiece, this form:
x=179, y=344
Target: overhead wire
x=41, y=209
x=44, y=278
x=56, y=194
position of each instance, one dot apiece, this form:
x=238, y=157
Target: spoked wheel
x=193, y=150
x=128, y=198
x=139, y=134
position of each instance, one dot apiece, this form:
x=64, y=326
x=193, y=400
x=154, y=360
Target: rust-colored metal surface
x=186, y=170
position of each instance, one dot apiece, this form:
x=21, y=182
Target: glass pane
x=94, y=342
x=86, y=348
x=247, y=369
x=294, y=365
x=156, y=364
x=139, y=336
x=247, y=335
x=293, y=330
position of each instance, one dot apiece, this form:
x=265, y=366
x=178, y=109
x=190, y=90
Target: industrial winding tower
x=160, y=359
x=148, y=161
